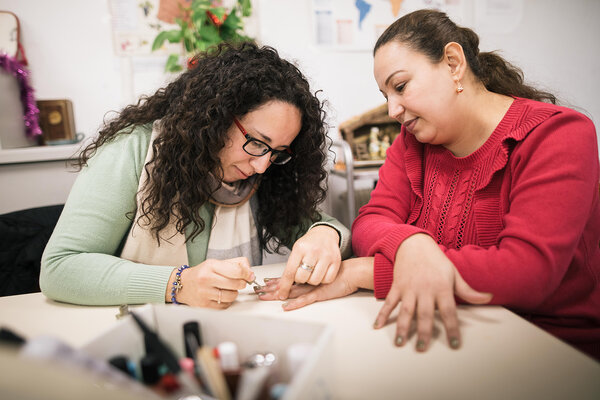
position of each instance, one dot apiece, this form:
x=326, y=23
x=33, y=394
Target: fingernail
x=399, y=340
x=267, y=279
x=375, y=324
x=261, y=293
x=420, y=345
x=284, y=305
x=257, y=288
x=252, y=277
x=454, y=343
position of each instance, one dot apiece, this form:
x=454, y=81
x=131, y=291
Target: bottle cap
x=228, y=356
x=149, y=364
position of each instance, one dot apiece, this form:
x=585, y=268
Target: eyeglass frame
x=273, y=151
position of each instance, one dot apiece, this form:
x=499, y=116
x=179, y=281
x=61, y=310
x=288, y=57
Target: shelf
x=36, y=154
x=362, y=173
x=359, y=164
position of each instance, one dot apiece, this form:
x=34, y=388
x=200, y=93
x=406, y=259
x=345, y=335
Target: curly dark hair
x=429, y=31
x=196, y=111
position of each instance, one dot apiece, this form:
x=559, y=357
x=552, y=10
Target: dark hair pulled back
x=429, y=31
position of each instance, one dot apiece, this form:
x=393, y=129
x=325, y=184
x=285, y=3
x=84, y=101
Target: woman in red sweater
x=489, y=193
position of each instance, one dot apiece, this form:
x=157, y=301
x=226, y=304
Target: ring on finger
x=307, y=267
x=219, y=299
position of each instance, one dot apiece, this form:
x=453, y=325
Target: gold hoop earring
x=459, y=88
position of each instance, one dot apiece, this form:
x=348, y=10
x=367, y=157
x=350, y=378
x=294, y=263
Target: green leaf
x=201, y=5
x=173, y=63
x=233, y=22
x=246, y=7
x=182, y=24
x=159, y=40
x=174, y=36
x=189, y=45
x=210, y=33
x=199, y=19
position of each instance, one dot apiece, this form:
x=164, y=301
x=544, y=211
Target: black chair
x=23, y=237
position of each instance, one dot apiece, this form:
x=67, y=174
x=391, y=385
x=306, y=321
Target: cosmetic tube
x=230, y=365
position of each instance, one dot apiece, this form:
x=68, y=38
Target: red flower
x=215, y=20
x=191, y=63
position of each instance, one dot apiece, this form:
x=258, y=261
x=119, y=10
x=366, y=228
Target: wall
x=68, y=43
x=553, y=41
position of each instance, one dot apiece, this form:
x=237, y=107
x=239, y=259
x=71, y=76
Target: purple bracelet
x=177, y=286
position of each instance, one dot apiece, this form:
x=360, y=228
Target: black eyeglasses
x=258, y=148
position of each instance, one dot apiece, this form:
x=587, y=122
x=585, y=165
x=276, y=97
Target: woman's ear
x=454, y=57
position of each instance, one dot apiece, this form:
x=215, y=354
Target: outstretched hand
x=424, y=278
x=354, y=274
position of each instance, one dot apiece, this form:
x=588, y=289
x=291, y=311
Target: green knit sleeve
x=345, y=235
x=79, y=264
x=345, y=238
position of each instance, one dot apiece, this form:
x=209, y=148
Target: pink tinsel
x=30, y=110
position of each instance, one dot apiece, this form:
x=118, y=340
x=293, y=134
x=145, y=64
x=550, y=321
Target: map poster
x=355, y=25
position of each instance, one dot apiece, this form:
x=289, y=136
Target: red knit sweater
x=520, y=217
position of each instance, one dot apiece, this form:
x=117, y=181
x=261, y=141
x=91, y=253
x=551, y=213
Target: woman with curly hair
x=225, y=161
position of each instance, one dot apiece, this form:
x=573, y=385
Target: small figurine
x=374, y=143
x=384, y=145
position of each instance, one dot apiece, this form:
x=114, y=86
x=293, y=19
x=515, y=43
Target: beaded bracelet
x=177, y=286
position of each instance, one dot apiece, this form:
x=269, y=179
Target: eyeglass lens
x=257, y=148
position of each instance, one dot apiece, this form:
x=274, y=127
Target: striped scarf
x=233, y=232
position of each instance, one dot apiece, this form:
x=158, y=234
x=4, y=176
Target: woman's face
x=419, y=94
x=275, y=123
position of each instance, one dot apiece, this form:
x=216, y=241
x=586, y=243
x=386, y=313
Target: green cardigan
x=80, y=263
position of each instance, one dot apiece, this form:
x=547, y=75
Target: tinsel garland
x=30, y=110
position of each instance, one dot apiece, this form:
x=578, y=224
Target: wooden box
x=57, y=121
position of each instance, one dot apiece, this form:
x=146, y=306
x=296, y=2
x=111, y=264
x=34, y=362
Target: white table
x=502, y=357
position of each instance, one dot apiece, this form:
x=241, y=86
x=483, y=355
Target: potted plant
x=202, y=24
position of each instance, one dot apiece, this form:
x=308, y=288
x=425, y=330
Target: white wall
x=69, y=46
x=555, y=43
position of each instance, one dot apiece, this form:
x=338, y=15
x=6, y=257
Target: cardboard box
x=251, y=333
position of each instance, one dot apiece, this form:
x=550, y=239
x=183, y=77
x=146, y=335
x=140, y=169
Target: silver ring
x=219, y=299
x=307, y=267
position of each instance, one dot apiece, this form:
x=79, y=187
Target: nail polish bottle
x=162, y=383
x=124, y=364
x=149, y=366
x=230, y=365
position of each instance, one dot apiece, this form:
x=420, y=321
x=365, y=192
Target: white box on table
x=251, y=333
